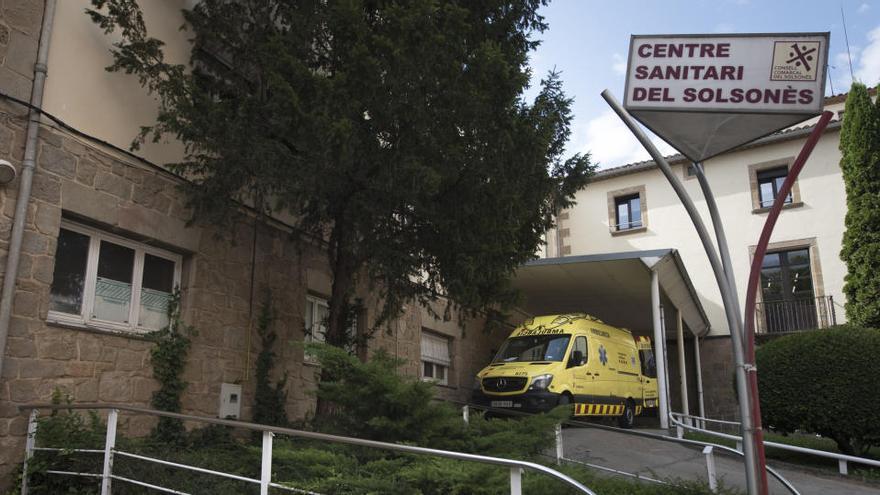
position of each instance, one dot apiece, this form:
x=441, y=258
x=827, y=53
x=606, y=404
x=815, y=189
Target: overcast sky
x=588, y=41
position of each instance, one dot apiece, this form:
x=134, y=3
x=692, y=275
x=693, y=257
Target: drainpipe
x=27, y=177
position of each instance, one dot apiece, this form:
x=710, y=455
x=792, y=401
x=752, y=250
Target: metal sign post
x=727, y=295
x=707, y=94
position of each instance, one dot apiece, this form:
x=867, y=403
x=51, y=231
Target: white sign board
x=706, y=94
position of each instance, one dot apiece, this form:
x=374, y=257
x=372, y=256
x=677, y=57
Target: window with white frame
x=109, y=282
x=316, y=319
x=435, y=358
x=317, y=311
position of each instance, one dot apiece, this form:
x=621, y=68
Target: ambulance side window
x=649, y=366
x=578, y=352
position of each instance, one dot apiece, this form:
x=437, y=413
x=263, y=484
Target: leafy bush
x=66, y=429
x=860, y=164
x=823, y=382
x=373, y=400
x=269, y=398
x=168, y=358
x=370, y=400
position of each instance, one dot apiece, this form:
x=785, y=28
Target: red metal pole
x=752, y=288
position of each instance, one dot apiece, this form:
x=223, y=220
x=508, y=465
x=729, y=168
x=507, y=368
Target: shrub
x=371, y=400
x=374, y=400
x=66, y=429
x=168, y=358
x=860, y=164
x=368, y=399
x=823, y=382
x=270, y=398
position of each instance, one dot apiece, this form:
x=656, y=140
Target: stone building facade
x=84, y=187
x=80, y=184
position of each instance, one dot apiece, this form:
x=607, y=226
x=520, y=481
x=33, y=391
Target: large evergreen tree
x=860, y=146
x=395, y=130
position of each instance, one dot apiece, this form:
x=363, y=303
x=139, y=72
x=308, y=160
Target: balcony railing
x=623, y=227
x=777, y=317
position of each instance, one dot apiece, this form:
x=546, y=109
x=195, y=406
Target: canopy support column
x=659, y=352
x=682, y=365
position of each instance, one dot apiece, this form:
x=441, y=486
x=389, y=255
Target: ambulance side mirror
x=577, y=359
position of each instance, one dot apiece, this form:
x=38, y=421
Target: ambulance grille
x=504, y=384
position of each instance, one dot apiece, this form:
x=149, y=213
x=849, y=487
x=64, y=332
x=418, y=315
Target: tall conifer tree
x=860, y=163
x=397, y=131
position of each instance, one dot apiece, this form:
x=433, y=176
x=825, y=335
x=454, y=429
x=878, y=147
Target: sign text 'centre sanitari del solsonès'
x=728, y=72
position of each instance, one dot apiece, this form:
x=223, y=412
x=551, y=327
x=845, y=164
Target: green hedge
x=825, y=382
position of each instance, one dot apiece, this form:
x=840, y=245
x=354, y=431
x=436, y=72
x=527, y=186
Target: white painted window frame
x=435, y=364
x=314, y=302
x=85, y=319
x=310, y=336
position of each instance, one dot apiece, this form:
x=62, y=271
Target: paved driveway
x=663, y=460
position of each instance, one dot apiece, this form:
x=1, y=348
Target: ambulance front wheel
x=628, y=417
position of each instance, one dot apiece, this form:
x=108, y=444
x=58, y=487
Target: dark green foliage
x=374, y=400
x=269, y=399
x=860, y=163
x=66, y=429
x=339, y=469
x=823, y=382
x=395, y=131
x=168, y=358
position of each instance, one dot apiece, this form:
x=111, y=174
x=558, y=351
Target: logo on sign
x=795, y=61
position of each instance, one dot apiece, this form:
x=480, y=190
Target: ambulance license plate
x=501, y=403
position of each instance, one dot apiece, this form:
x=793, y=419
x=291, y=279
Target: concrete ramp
x=665, y=460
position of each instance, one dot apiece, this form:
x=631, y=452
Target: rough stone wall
x=716, y=355
x=19, y=37
x=675, y=377
x=20, y=22
x=107, y=190
x=471, y=346
x=116, y=194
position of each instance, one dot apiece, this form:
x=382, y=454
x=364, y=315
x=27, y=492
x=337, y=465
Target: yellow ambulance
x=571, y=359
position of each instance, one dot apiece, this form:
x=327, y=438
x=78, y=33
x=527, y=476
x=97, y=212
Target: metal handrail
x=516, y=466
x=842, y=459
x=655, y=436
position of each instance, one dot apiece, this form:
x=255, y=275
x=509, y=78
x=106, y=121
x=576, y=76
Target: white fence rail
x=268, y=432
x=843, y=460
x=710, y=459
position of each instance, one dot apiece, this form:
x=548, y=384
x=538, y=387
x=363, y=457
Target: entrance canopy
x=614, y=287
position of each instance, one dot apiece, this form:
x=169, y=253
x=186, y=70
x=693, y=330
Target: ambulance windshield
x=533, y=348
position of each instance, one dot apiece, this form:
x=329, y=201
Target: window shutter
x=435, y=349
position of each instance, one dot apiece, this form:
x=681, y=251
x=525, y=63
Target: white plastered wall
x=111, y=106
x=821, y=217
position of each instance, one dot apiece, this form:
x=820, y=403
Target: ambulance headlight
x=541, y=382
